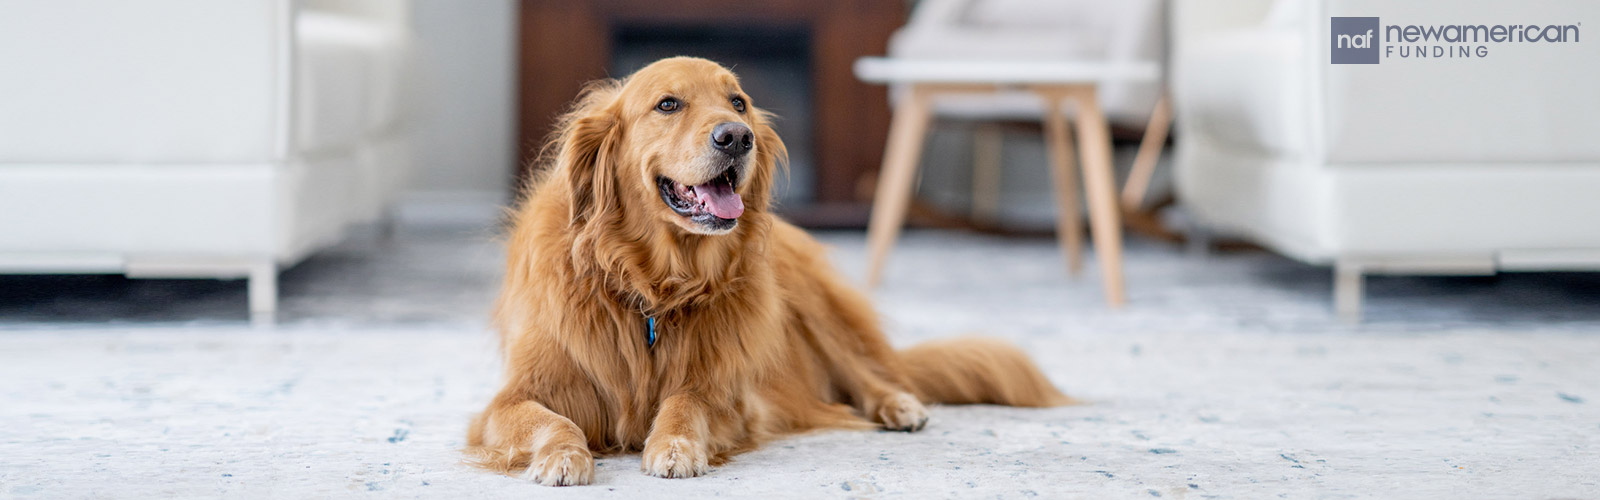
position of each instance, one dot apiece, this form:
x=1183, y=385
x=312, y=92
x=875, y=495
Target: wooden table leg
x=1144, y=165
x=1094, y=137
x=1069, y=221
x=900, y=158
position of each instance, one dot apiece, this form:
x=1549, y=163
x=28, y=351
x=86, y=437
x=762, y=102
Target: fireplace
x=793, y=56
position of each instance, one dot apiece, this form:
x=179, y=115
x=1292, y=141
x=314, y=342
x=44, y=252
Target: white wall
x=465, y=134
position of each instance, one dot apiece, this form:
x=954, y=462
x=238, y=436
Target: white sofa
x=1452, y=166
x=196, y=138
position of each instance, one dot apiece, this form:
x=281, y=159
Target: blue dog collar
x=650, y=323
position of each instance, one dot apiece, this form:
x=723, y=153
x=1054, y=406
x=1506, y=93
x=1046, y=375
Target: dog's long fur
x=758, y=336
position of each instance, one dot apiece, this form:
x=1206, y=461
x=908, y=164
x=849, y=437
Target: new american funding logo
x=1365, y=40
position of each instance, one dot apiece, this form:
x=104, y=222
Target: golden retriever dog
x=651, y=303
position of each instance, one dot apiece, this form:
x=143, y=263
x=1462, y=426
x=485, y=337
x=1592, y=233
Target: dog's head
x=677, y=143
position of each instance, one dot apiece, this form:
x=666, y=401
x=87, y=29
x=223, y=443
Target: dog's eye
x=668, y=105
x=738, y=104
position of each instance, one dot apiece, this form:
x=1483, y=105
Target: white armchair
x=1411, y=166
x=1122, y=32
x=195, y=138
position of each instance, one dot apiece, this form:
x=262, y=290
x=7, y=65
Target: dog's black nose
x=732, y=138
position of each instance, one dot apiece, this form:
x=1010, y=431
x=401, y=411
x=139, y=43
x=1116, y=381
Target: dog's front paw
x=902, y=412
x=675, y=457
x=565, y=466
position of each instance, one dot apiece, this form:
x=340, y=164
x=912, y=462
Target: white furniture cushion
x=1247, y=90
x=350, y=75
x=1524, y=102
x=92, y=81
x=1436, y=159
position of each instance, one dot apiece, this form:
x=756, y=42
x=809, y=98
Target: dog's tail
x=978, y=371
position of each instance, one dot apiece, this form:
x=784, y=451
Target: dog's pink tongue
x=720, y=199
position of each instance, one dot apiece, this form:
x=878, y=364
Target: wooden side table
x=1057, y=85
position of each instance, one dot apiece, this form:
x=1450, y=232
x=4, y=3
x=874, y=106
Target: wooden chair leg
x=1144, y=165
x=900, y=158
x=1069, y=221
x=1094, y=137
x=987, y=149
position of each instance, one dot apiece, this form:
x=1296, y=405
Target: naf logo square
x=1354, y=40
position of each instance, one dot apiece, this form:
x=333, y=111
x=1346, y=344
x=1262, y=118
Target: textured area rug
x=1226, y=376
x=318, y=414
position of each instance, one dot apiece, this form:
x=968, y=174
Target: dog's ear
x=771, y=155
x=588, y=139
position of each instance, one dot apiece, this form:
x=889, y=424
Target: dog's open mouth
x=714, y=203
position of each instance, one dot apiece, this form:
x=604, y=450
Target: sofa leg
x=1348, y=287
x=263, y=291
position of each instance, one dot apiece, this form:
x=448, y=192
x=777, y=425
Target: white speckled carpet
x=1226, y=377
